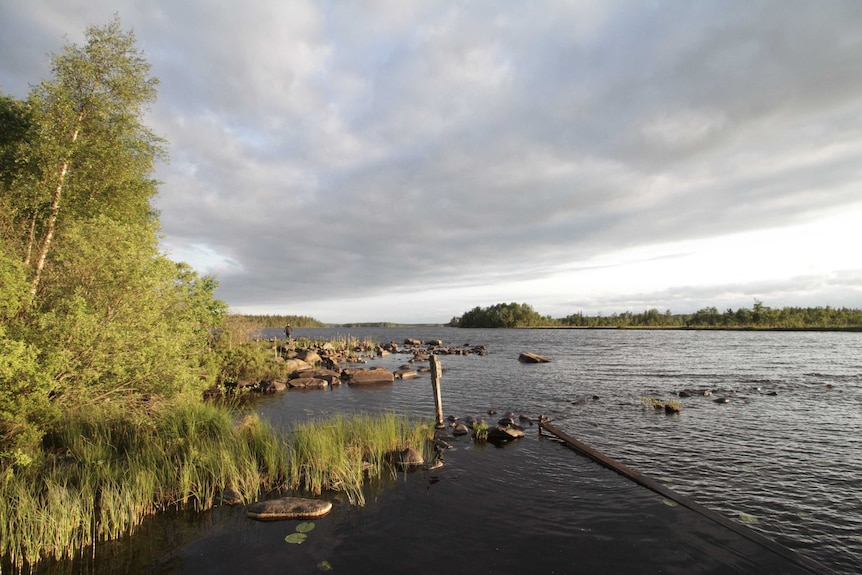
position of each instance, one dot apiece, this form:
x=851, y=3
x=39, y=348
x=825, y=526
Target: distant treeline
x=301, y=321
x=759, y=316
x=272, y=321
x=503, y=315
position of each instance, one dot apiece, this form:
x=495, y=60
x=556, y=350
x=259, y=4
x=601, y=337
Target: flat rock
x=371, y=376
x=307, y=382
x=296, y=364
x=406, y=374
x=288, y=508
x=504, y=434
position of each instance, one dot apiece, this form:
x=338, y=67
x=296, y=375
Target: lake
x=782, y=455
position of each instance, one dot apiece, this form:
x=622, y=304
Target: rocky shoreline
x=322, y=365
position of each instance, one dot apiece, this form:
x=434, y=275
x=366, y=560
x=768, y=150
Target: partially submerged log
x=528, y=357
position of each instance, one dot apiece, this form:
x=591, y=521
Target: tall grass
x=340, y=452
x=102, y=472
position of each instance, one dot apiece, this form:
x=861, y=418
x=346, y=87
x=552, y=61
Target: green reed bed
x=340, y=452
x=104, y=471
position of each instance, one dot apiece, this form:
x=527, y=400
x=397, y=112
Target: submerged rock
x=288, y=508
x=230, y=496
x=406, y=458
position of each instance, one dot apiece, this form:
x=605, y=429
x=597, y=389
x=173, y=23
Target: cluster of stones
x=722, y=395
x=508, y=427
x=321, y=366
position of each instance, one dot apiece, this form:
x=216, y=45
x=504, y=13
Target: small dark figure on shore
x=288, y=331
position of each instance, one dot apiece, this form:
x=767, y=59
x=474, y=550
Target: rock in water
x=504, y=434
x=406, y=458
x=370, y=376
x=288, y=508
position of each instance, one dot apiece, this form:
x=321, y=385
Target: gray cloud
x=324, y=151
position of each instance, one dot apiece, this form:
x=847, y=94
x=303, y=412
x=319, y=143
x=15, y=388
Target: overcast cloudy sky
x=407, y=161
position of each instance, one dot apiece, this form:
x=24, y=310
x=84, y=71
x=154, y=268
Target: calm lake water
x=783, y=456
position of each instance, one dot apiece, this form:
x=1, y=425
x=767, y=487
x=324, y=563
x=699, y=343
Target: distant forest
x=759, y=316
x=271, y=321
x=508, y=315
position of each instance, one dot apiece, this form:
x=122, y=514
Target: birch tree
x=91, y=152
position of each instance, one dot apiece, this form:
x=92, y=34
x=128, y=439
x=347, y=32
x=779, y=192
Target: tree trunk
x=31, y=239
x=55, y=210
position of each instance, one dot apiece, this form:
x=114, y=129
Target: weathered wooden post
x=436, y=371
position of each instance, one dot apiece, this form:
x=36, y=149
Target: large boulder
x=309, y=356
x=288, y=508
x=296, y=364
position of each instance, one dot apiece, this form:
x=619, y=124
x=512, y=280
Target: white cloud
x=403, y=160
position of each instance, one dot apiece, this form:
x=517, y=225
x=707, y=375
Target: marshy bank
x=103, y=472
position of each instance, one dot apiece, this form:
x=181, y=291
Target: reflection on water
x=783, y=455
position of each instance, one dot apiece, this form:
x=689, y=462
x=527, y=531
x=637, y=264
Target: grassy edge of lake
x=102, y=472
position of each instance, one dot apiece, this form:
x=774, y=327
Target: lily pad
x=304, y=527
x=296, y=538
x=324, y=566
x=669, y=502
x=747, y=518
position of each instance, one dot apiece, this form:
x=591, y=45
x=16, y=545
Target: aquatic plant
x=480, y=430
x=652, y=402
x=104, y=470
x=671, y=406
x=339, y=453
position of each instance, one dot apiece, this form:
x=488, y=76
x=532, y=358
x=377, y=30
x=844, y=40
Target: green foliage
x=249, y=363
x=279, y=321
x=671, y=406
x=503, y=315
x=339, y=453
x=91, y=313
x=758, y=317
x=480, y=430
x=103, y=470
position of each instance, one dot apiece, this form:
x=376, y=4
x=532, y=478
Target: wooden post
x=436, y=371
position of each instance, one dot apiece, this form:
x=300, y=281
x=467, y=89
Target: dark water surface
x=783, y=456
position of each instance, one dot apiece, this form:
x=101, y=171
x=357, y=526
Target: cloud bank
x=406, y=161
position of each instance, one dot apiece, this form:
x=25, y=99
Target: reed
x=104, y=471
x=340, y=452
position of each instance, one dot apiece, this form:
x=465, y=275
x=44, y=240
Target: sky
x=392, y=160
